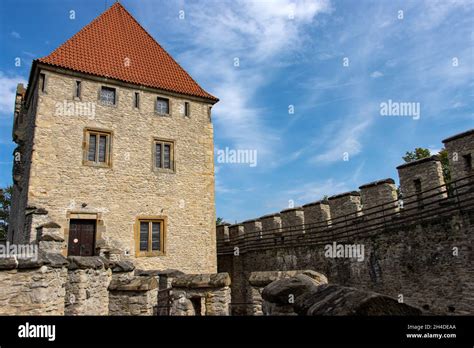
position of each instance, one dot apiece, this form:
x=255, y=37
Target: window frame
x=163, y=228
x=187, y=109
x=136, y=100
x=100, y=96
x=172, y=144
x=77, y=83
x=156, y=106
x=42, y=83
x=108, y=148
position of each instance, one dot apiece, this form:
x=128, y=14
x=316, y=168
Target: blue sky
x=290, y=53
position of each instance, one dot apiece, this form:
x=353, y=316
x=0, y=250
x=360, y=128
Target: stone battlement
x=422, y=186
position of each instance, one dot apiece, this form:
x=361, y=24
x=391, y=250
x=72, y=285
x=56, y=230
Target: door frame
x=94, y=236
x=74, y=215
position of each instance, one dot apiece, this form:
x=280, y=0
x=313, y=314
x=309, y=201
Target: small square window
x=108, y=95
x=162, y=106
x=97, y=149
x=164, y=155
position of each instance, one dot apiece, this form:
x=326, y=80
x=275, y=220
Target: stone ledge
x=434, y=158
x=291, y=209
x=139, y=283
x=323, y=201
x=50, y=224
x=44, y=259
x=215, y=280
x=51, y=237
x=122, y=266
x=378, y=182
x=458, y=136
x=158, y=273
x=87, y=262
x=340, y=195
x=269, y=216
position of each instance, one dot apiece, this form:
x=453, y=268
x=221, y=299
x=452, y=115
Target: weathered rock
x=280, y=291
x=54, y=260
x=339, y=300
x=122, y=266
x=8, y=263
x=158, y=273
x=51, y=237
x=139, y=283
x=202, y=280
x=87, y=262
x=262, y=279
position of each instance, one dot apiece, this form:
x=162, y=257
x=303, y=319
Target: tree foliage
x=417, y=154
x=5, y=205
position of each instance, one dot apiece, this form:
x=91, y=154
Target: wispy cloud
x=255, y=35
x=376, y=74
x=8, y=86
x=15, y=35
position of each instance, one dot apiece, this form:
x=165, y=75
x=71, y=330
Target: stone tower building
x=115, y=151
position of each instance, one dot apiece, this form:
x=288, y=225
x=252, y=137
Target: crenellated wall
x=413, y=245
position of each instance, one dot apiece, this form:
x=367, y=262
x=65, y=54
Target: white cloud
x=8, y=86
x=261, y=34
x=344, y=140
x=15, y=34
x=312, y=191
x=376, y=74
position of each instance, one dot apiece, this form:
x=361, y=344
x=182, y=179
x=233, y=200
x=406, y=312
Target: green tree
x=219, y=221
x=417, y=154
x=443, y=157
x=5, y=204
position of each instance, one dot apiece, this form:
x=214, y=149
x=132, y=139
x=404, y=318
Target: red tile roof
x=115, y=38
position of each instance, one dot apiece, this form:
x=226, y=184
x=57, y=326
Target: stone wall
x=88, y=279
x=135, y=296
x=53, y=177
x=418, y=248
x=33, y=287
x=201, y=294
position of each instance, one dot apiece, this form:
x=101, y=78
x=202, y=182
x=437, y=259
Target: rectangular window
x=164, y=154
x=98, y=148
x=186, y=109
x=162, y=106
x=150, y=239
x=77, y=90
x=136, y=102
x=417, y=184
x=42, y=82
x=467, y=162
x=108, y=95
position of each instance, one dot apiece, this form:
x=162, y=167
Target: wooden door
x=81, y=238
